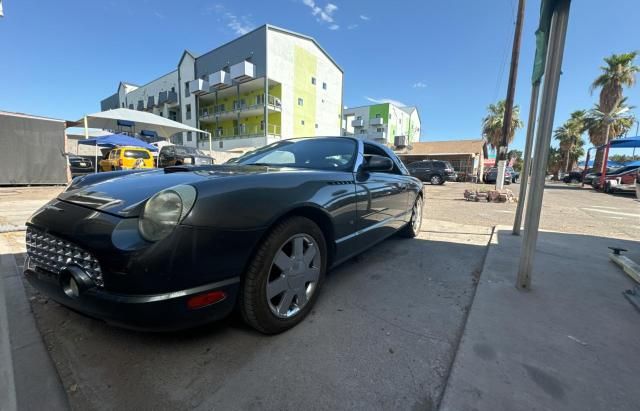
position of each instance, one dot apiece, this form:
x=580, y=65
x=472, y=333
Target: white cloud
x=323, y=14
x=352, y=26
x=365, y=18
x=419, y=84
x=238, y=24
x=385, y=100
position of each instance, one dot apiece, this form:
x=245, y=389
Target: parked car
x=125, y=158
x=79, y=165
x=573, y=177
x=514, y=174
x=435, y=172
x=172, y=155
x=181, y=246
x=491, y=175
x=622, y=179
x=592, y=174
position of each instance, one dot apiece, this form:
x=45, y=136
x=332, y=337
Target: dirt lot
x=566, y=208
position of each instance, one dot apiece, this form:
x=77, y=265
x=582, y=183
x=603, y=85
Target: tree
x=619, y=71
x=569, y=135
x=618, y=120
x=516, y=157
x=624, y=158
x=492, y=124
x=554, y=161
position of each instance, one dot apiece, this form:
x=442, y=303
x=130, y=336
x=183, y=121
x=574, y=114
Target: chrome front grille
x=53, y=254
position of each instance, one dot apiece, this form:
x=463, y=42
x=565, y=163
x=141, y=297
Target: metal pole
x=501, y=155
x=210, y=145
x=545, y=125
x=605, y=158
x=586, y=165
x=526, y=167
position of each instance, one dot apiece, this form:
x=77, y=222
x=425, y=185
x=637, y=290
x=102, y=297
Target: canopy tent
x=610, y=164
x=119, y=117
x=626, y=142
x=632, y=163
x=115, y=140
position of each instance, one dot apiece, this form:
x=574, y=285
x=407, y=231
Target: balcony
x=167, y=97
x=243, y=71
x=198, y=87
x=211, y=112
x=357, y=123
x=219, y=79
x=378, y=121
x=245, y=131
x=274, y=103
x=380, y=136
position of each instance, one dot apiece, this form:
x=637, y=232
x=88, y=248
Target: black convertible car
x=174, y=248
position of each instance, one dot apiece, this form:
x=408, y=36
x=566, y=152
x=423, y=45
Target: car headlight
x=165, y=210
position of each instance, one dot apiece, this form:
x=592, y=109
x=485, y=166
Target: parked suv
x=171, y=155
x=434, y=171
x=125, y=158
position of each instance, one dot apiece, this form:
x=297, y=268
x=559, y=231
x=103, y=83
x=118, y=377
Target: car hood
x=125, y=194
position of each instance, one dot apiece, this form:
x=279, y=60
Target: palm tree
x=569, y=135
x=619, y=71
x=492, y=124
x=554, y=161
x=617, y=121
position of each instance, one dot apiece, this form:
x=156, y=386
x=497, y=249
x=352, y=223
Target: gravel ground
x=566, y=208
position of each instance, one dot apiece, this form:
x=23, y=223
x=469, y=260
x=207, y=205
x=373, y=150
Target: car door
x=421, y=170
x=381, y=201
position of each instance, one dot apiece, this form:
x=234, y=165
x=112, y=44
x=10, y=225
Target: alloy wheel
x=416, y=217
x=435, y=180
x=293, y=276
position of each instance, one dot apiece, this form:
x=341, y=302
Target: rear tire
x=436, y=180
x=412, y=229
x=261, y=305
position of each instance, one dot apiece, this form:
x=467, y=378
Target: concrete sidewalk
x=571, y=343
x=28, y=378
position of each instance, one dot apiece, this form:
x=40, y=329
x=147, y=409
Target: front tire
x=284, y=277
x=412, y=229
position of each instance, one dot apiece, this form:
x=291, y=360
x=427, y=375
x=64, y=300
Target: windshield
x=184, y=150
x=315, y=153
x=136, y=154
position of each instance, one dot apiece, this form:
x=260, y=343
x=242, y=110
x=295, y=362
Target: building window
x=324, y=86
x=380, y=129
x=188, y=114
x=221, y=144
x=378, y=115
x=362, y=131
x=359, y=118
x=316, y=125
x=313, y=81
x=186, y=89
x=161, y=114
x=300, y=101
x=260, y=99
x=302, y=122
x=122, y=105
x=261, y=125
x=173, y=89
x=189, y=136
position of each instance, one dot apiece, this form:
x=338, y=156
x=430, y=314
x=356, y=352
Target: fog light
x=72, y=289
x=203, y=300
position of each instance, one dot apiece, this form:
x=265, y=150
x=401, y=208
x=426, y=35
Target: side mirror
x=378, y=163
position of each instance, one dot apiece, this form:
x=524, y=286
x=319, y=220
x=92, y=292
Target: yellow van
x=125, y=158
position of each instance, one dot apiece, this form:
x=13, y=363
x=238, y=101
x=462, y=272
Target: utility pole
x=501, y=155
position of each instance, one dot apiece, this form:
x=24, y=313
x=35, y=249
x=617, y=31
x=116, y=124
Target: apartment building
x=268, y=84
x=383, y=123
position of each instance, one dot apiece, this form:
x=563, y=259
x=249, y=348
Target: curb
x=28, y=377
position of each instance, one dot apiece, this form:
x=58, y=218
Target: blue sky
x=449, y=58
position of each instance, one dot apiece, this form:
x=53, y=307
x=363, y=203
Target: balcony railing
x=245, y=131
x=168, y=97
x=376, y=121
x=207, y=112
x=357, y=123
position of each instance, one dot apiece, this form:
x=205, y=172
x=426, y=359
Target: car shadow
x=400, y=301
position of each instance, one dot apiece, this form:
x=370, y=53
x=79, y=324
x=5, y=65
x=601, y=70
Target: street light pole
x=501, y=155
